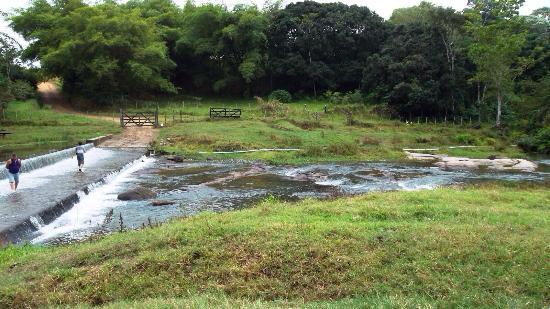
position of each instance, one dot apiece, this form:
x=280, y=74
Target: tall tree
x=313, y=47
x=498, y=36
x=99, y=51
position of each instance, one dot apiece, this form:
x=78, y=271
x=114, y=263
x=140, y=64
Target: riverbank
x=343, y=133
x=471, y=247
x=38, y=130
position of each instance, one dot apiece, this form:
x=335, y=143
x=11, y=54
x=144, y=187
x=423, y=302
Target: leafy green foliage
x=100, y=51
x=280, y=95
x=22, y=90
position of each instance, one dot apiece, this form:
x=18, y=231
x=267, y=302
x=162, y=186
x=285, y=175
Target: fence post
x=121, y=119
x=426, y=120
x=157, y=116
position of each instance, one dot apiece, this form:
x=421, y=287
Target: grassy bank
x=473, y=247
x=38, y=130
x=331, y=136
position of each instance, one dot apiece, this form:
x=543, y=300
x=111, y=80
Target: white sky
x=383, y=8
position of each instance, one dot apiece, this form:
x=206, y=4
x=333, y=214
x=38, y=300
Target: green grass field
x=454, y=247
x=37, y=130
x=322, y=137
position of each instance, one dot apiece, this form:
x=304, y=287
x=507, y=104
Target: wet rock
x=501, y=164
x=311, y=176
x=137, y=194
x=177, y=159
x=162, y=203
x=209, y=159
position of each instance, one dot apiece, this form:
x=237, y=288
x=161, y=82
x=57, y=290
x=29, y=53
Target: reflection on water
x=214, y=186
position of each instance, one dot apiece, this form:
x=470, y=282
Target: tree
x=99, y=51
x=449, y=26
x=498, y=36
x=313, y=47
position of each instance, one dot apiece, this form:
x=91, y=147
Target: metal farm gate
x=140, y=119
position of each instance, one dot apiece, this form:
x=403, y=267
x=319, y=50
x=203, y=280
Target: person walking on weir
x=14, y=166
x=80, y=156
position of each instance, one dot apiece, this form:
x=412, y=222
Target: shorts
x=13, y=177
x=80, y=158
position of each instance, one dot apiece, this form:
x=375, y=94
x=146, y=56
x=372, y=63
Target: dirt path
x=131, y=137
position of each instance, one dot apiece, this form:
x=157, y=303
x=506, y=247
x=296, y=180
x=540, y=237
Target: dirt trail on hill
x=131, y=137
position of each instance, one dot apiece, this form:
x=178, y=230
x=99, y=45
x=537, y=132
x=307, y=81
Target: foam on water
x=42, y=175
x=91, y=209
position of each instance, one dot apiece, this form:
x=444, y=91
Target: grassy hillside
x=473, y=247
x=38, y=130
x=331, y=136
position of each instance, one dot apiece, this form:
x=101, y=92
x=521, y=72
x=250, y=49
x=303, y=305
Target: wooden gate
x=140, y=119
x=225, y=112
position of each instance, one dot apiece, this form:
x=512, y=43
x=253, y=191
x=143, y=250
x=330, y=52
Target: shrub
x=423, y=140
x=280, y=95
x=272, y=107
x=22, y=90
x=343, y=149
x=352, y=97
x=537, y=142
x=465, y=139
x=229, y=146
x=314, y=151
x=542, y=140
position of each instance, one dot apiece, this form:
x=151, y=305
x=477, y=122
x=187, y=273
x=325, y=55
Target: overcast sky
x=383, y=8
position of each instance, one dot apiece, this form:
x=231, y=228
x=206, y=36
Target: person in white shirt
x=80, y=156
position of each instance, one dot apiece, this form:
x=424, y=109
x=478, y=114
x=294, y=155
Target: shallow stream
x=223, y=186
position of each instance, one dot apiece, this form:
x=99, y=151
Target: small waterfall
x=89, y=209
x=44, y=160
x=37, y=222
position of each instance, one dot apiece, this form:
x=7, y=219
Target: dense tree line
x=424, y=61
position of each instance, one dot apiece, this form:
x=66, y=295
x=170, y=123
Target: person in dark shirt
x=14, y=166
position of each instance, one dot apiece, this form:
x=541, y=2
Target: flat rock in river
x=501, y=164
x=137, y=194
x=162, y=203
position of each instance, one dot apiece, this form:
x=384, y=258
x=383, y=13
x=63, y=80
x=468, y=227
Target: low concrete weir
x=23, y=230
x=46, y=193
x=37, y=162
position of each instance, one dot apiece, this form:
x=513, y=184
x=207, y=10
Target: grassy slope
x=40, y=130
x=470, y=247
x=372, y=138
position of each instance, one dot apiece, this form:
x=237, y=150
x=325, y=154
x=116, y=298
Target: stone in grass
x=162, y=203
x=137, y=194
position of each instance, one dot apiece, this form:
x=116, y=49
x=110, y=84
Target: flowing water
x=44, y=160
x=223, y=186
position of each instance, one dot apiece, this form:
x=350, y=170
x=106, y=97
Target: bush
x=542, y=140
x=272, y=107
x=423, y=140
x=537, y=142
x=352, y=97
x=22, y=90
x=343, y=149
x=465, y=139
x=280, y=95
